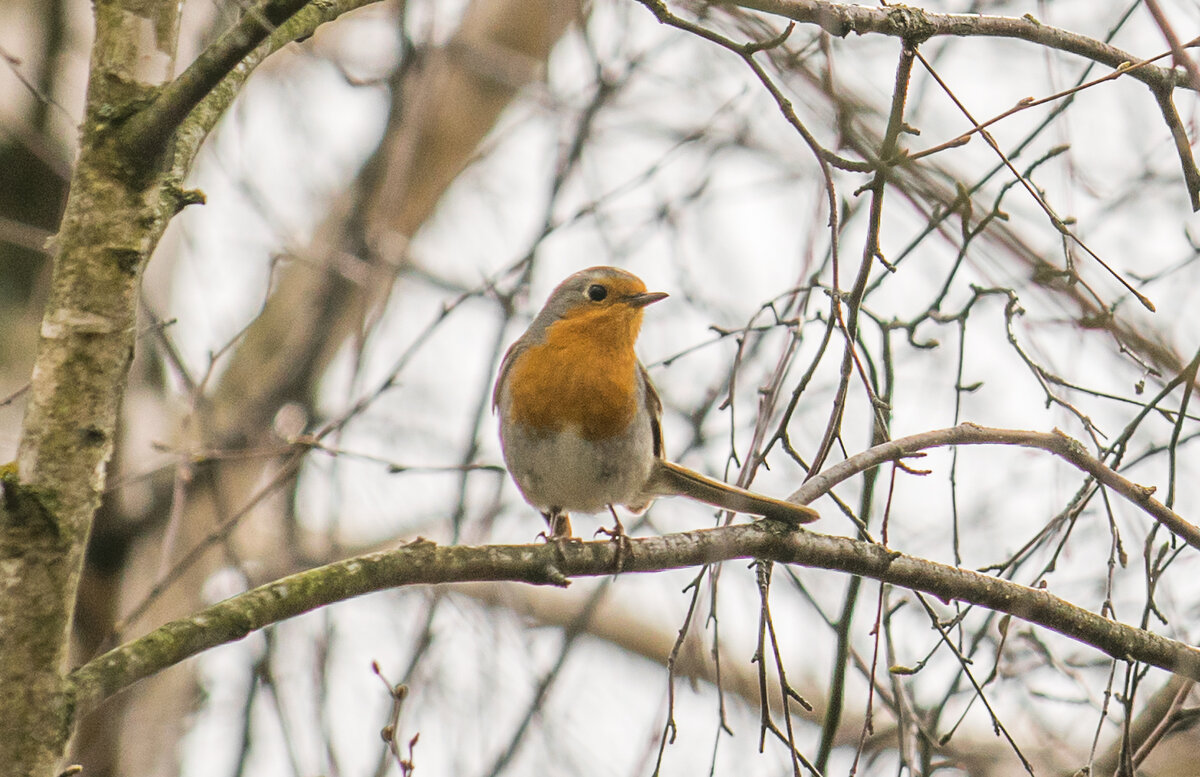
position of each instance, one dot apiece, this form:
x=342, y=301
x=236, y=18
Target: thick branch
x=424, y=562
x=1056, y=442
x=147, y=132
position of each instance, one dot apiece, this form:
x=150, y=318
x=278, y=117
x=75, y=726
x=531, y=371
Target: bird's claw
x=624, y=544
x=544, y=537
x=616, y=533
x=559, y=524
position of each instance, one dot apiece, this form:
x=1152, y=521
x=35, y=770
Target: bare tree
x=930, y=272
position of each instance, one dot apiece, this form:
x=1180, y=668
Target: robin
x=580, y=422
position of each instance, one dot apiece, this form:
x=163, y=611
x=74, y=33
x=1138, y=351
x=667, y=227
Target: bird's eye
x=596, y=292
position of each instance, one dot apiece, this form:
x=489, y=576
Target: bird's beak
x=645, y=298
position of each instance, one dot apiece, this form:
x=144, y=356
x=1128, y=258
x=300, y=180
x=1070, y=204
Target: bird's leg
x=616, y=531
x=618, y=535
x=559, y=523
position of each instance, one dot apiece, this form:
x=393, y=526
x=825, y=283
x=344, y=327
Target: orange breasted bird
x=580, y=422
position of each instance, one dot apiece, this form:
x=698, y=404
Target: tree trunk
x=113, y=218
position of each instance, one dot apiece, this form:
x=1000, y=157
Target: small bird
x=580, y=422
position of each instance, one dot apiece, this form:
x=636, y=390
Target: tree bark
x=113, y=219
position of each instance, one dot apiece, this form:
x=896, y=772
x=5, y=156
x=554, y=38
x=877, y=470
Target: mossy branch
x=272, y=21
x=426, y=563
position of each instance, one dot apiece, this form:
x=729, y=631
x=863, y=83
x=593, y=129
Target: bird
x=580, y=421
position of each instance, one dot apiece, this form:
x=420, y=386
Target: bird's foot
x=559, y=524
x=618, y=535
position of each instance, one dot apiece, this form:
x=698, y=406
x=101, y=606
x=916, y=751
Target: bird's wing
x=505, y=365
x=654, y=406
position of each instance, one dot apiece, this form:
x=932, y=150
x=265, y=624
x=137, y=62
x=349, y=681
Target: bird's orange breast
x=584, y=375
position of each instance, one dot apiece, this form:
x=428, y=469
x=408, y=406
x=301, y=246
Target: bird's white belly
x=563, y=470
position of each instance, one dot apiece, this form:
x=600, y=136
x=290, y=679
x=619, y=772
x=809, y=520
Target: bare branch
x=916, y=26
x=919, y=25
x=1056, y=442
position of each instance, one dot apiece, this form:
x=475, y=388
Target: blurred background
x=389, y=202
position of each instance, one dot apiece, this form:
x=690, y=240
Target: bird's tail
x=669, y=479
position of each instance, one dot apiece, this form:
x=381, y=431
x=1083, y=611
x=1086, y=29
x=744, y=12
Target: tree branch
x=917, y=25
x=1056, y=442
x=913, y=23
x=147, y=133
x=426, y=563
